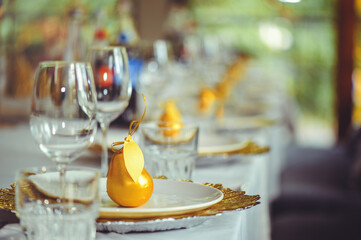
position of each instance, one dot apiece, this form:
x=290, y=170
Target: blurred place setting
x=175, y=119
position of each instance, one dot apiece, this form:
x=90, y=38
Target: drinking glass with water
x=49, y=209
x=170, y=149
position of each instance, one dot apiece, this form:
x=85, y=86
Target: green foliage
x=308, y=9
x=314, y=44
x=312, y=54
x=314, y=88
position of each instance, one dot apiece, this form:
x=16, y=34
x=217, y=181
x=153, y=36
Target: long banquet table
x=19, y=150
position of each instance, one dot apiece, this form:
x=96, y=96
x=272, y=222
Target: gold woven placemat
x=232, y=200
x=7, y=198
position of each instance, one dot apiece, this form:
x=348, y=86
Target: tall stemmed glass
x=111, y=73
x=63, y=110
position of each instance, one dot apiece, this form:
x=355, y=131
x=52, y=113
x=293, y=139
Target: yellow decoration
x=207, y=99
x=133, y=158
x=224, y=89
x=171, y=118
x=220, y=112
x=128, y=183
x=237, y=69
x=171, y=113
x=219, y=94
x=122, y=189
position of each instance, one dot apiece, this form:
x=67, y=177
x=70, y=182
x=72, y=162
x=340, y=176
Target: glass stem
x=62, y=169
x=104, y=161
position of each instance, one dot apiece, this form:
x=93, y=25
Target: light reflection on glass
x=105, y=77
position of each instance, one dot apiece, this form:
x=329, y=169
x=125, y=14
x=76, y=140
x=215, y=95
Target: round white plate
x=48, y=184
x=169, y=198
x=212, y=144
x=247, y=123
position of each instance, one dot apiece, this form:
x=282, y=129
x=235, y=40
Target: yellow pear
x=122, y=189
x=171, y=118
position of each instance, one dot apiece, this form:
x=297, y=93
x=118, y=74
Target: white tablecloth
x=19, y=150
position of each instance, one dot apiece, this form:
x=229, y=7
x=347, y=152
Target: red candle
x=104, y=76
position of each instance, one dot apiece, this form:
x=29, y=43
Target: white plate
x=169, y=198
x=247, y=123
x=48, y=183
x=212, y=144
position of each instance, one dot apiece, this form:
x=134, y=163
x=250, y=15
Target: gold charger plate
x=232, y=200
x=218, y=144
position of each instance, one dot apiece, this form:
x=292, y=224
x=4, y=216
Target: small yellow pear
x=171, y=118
x=122, y=189
x=207, y=99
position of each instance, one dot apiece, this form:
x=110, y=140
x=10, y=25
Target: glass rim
x=44, y=169
x=56, y=63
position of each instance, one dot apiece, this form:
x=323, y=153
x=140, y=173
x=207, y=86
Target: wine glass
x=111, y=74
x=63, y=110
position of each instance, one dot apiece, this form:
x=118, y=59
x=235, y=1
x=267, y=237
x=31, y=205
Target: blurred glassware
x=75, y=47
x=45, y=213
x=113, y=89
x=127, y=33
x=170, y=149
x=63, y=110
x=156, y=80
x=100, y=37
x=162, y=52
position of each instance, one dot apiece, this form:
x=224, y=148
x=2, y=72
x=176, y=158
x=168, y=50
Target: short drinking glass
x=170, y=149
x=45, y=214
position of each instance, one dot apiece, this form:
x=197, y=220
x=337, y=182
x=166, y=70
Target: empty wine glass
x=63, y=110
x=111, y=74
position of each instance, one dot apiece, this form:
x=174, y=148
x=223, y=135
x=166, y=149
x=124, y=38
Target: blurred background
x=290, y=63
x=291, y=48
